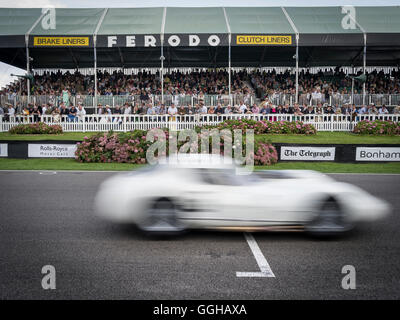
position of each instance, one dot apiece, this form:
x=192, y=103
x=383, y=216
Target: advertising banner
x=36, y=150
x=377, y=154
x=3, y=150
x=308, y=153
x=262, y=39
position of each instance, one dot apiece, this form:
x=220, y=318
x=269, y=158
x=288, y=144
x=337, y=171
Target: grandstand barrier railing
x=88, y=101
x=129, y=122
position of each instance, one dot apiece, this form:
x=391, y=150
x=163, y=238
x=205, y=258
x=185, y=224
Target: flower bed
x=377, y=127
x=266, y=127
x=131, y=147
x=36, y=128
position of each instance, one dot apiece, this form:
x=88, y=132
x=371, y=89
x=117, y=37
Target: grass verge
x=71, y=164
x=319, y=138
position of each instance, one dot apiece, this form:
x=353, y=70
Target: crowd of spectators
x=143, y=84
x=318, y=86
x=76, y=113
x=321, y=86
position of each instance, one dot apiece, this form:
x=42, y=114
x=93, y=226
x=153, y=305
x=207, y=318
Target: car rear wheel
x=161, y=219
x=329, y=221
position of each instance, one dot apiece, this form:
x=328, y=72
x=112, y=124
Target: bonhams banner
x=308, y=153
x=36, y=150
x=377, y=154
x=3, y=150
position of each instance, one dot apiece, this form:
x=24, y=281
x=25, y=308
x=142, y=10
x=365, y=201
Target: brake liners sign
x=308, y=153
x=264, y=40
x=61, y=41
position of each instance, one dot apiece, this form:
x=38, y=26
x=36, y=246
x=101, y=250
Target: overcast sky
x=6, y=69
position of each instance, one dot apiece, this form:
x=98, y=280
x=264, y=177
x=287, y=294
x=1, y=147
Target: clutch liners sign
x=308, y=153
x=275, y=40
x=37, y=150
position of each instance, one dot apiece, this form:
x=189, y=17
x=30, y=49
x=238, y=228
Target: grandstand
x=227, y=58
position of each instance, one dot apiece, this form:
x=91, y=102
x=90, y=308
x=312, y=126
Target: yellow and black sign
x=272, y=40
x=61, y=41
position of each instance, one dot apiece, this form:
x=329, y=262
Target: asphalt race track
x=47, y=219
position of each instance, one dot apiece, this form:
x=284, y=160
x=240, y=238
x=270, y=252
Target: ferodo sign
x=265, y=40
x=61, y=41
x=154, y=40
x=308, y=153
x=377, y=154
x=36, y=150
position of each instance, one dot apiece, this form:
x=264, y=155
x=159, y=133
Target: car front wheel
x=329, y=221
x=161, y=219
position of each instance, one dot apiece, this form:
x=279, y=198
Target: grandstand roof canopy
x=264, y=36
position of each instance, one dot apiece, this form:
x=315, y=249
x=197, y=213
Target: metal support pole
x=365, y=66
x=352, y=90
x=95, y=75
x=230, y=70
x=28, y=82
x=162, y=69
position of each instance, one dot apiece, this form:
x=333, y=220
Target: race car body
x=201, y=192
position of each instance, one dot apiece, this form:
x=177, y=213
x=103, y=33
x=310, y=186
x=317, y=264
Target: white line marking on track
x=261, y=261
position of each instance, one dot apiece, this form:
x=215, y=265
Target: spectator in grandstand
x=63, y=111
x=151, y=110
x=286, y=109
x=265, y=109
x=81, y=112
x=43, y=109
x=189, y=109
x=255, y=109
x=211, y=110
x=72, y=114
x=1, y=111
x=56, y=114
x=65, y=96
x=182, y=110
x=297, y=111
x=203, y=109
x=127, y=108
x=363, y=110
x=10, y=112
x=373, y=110
x=228, y=110
x=35, y=113
x=309, y=110
x=329, y=110
x=219, y=109
x=383, y=110
x=346, y=109
x=243, y=108
x=396, y=110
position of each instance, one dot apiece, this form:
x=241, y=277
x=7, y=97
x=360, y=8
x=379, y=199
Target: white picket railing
x=94, y=122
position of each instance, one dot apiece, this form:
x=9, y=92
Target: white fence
x=89, y=123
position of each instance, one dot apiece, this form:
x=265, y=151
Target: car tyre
x=329, y=221
x=161, y=219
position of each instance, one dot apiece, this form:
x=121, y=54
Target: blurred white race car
x=203, y=191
